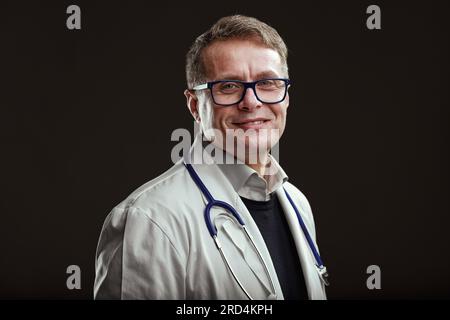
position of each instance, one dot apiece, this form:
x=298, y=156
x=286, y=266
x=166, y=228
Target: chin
x=251, y=148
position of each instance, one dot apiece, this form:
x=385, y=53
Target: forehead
x=240, y=59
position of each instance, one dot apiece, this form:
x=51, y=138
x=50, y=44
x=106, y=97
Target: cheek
x=221, y=116
x=280, y=113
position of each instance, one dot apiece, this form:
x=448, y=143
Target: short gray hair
x=231, y=27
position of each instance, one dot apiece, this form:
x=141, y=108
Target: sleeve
x=137, y=260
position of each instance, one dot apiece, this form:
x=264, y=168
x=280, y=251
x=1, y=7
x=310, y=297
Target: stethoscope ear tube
x=211, y=202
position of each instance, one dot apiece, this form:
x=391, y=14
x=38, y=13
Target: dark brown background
x=86, y=117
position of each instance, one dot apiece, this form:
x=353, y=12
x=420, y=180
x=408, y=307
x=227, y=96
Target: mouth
x=256, y=123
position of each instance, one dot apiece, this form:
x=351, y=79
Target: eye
x=265, y=82
x=269, y=84
x=229, y=86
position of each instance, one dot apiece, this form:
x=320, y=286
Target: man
x=161, y=243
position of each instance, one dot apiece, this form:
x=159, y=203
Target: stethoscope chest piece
x=324, y=276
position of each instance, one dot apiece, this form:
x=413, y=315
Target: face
x=245, y=60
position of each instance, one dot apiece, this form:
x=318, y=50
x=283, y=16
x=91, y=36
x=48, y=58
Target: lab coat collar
x=249, y=184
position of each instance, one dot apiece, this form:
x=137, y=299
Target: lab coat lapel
x=313, y=282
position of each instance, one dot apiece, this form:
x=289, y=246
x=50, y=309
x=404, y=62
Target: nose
x=250, y=102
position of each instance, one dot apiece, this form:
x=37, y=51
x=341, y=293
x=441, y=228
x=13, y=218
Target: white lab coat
x=155, y=244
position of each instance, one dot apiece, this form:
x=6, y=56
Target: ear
x=287, y=100
x=192, y=104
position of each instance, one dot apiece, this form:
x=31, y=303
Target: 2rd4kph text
x=226, y=309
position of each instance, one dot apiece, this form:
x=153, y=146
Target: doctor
x=214, y=229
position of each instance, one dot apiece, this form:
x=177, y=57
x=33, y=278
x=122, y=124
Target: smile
x=254, y=122
x=257, y=123
x=251, y=123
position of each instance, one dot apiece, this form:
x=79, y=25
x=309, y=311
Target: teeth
x=255, y=122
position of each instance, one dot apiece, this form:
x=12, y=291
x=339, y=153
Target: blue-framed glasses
x=230, y=92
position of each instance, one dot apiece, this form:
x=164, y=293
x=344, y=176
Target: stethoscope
x=322, y=270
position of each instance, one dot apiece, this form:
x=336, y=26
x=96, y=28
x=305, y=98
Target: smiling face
x=245, y=60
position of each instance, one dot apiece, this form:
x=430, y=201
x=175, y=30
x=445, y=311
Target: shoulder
x=156, y=190
x=163, y=192
x=158, y=207
x=165, y=200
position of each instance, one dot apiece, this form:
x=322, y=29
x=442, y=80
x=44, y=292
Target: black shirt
x=272, y=224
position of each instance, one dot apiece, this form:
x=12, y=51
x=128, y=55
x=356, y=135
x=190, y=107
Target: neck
x=260, y=167
x=262, y=160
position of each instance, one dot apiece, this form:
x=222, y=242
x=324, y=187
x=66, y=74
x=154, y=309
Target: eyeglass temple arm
x=201, y=87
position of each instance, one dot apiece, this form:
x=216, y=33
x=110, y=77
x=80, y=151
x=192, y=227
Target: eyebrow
x=261, y=75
